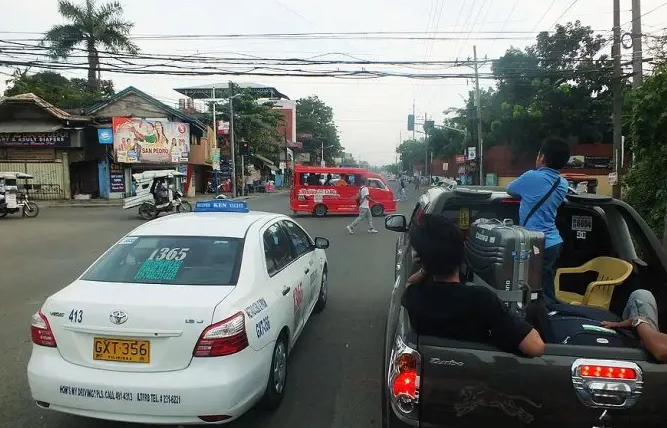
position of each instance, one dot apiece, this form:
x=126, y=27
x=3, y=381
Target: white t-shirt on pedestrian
x=364, y=194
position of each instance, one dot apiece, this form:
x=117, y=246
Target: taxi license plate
x=122, y=350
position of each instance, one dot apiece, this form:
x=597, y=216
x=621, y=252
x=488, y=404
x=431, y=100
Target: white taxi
x=188, y=319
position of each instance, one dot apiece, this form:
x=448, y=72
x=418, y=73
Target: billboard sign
x=150, y=141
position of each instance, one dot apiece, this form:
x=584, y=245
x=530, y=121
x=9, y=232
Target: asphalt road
x=334, y=371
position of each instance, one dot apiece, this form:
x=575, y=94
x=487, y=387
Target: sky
x=371, y=115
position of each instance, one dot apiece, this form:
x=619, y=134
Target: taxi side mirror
x=396, y=223
x=321, y=243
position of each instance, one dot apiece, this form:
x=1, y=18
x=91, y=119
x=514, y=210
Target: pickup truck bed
x=470, y=384
x=433, y=382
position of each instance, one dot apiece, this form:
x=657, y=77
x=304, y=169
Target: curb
x=48, y=204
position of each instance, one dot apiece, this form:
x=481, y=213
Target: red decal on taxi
x=298, y=296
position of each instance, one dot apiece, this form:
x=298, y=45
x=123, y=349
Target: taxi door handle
x=286, y=290
x=307, y=271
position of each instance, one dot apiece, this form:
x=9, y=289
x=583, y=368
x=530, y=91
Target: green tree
x=315, y=122
x=93, y=26
x=411, y=153
x=557, y=86
x=646, y=181
x=68, y=94
x=254, y=122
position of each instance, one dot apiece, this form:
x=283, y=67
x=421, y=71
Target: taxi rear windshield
x=173, y=260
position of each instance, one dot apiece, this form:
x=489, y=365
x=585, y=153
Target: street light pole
x=231, y=137
x=480, y=138
x=215, y=143
x=617, y=94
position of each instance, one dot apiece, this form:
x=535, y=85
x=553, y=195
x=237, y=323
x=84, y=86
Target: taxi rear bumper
x=227, y=385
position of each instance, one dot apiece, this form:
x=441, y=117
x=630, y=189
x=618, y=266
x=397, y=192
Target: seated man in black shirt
x=439, y=305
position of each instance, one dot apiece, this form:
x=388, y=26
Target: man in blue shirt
x=532, y=187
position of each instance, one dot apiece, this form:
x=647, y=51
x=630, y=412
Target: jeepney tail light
x=226, y=337
x=40, y=331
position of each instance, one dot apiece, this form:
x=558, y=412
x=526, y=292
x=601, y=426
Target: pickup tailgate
x=570, y=386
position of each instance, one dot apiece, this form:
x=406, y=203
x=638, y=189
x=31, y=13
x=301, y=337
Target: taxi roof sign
x=221, y=206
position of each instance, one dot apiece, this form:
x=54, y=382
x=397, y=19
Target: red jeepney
x=322, y=190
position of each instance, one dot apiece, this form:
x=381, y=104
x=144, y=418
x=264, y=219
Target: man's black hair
x=556, y=152
x=439, y=244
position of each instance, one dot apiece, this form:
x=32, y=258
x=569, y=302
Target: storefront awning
x=265, y=160
x=30, y=128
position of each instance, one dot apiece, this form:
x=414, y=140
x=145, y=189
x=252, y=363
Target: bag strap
x=541, y=201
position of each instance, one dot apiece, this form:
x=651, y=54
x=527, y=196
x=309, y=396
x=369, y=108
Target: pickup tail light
x=40, y=331
x=403, y=379
x=406, y=384
x=226, y=337
x=607, y=372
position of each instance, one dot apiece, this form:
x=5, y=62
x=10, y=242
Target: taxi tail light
x=40, y=331
x=607, y=372
x=226, y=337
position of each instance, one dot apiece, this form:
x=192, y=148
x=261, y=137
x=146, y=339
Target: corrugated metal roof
x=27, y=127
x=132, y=90
x=53, y=110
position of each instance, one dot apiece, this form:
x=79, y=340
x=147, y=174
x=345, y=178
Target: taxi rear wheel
x=275, y=388
x=324, y=292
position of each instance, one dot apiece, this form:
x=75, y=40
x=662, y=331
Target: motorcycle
x=149, y=210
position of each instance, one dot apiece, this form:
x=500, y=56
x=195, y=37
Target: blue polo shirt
x=531, y=187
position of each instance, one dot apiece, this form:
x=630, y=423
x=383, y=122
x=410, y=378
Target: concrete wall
x=604, y=188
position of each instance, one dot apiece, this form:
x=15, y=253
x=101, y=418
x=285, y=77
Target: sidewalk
x=103, y=203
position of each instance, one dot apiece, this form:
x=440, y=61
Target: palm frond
x=62, y=39
x=71, y=11
x=116, y=40
x=108, y=10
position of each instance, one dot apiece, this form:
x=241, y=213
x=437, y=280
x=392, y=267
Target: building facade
x=144, y=134
x=39, y=139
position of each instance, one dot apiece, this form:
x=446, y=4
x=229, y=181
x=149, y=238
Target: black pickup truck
x=436, y=382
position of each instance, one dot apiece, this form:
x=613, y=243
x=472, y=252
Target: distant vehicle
x=313, y=195
x=186, y=320
x=436, y=382
x=157, y=191
x=14, y=199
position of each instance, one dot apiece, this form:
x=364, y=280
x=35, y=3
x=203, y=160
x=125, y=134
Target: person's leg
x=369, y=216
x=549, y=273
x=642, y=304
x=356, y=221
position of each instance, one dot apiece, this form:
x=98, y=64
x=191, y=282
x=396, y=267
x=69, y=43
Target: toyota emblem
x=118, y=317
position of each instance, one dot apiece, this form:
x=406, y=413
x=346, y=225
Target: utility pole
x=478, y=102
x=231, y=137
x=400, y=140
x=425, y=145
x=638, y=72
x=415, y=119
x=617, y=94
x=215, y=135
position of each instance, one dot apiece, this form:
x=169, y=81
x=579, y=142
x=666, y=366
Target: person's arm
x=508, y=331
x=518, y=186
x=654, y=341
